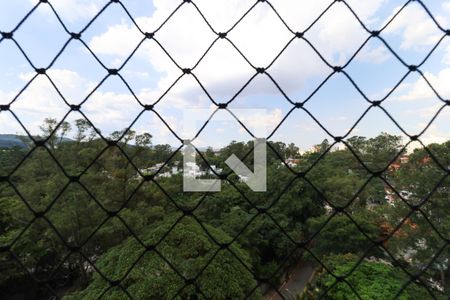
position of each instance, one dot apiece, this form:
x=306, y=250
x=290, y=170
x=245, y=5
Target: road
x=295, y=284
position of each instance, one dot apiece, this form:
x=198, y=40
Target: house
x=396, y=165
x=214, y=170
x=426, y=160
x=292, y=162
x=175, y=170
x=165, y=174
x=243, y=178
x=151, y=169
x=404, y=159
x=193, y=170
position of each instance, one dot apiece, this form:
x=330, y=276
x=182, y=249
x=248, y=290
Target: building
x=395, y=166
x=292, y=162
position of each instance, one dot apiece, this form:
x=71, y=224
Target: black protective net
x=43, y=214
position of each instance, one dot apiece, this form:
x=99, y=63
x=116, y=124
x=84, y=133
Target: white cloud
x=446, y=58
x=446, y=6
x=9, y=124
x=74, y=10
x=301, y=14
x=434, y=134
x=108, y=108
x=374, y=54
x=420, y=91
x=260, y=36
x=420, y=105
x=260, y=122
x=40, y=100
x=126, y=37
x=415, y=27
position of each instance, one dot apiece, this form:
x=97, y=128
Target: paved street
x=295, y=284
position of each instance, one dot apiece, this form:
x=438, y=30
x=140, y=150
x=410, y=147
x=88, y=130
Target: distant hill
x=13, y=140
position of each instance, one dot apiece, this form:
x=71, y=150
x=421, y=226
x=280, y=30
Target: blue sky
x=261, y=36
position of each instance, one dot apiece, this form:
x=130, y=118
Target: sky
x=260, y=37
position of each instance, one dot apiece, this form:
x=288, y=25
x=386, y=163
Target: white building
x=193, y=170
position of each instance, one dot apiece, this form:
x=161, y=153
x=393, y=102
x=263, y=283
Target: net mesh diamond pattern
x=40, y=214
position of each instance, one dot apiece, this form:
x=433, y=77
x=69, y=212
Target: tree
x=374, y=280
x=295, y=205
x=53, y=133
x=377, y=152
x=292, y=151
x=189, y=250
x=85, y=131
x=425, y=183
x=341, y=236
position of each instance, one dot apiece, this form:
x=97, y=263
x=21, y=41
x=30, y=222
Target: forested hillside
x=91, y=218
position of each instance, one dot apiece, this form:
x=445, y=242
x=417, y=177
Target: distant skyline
x=260, y=37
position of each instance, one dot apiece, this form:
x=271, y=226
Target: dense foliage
x=337, y=210
x=372, y=280
x=188, y=249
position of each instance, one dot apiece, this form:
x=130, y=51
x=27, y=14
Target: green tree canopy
x=372, y=280
x=189, y=250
